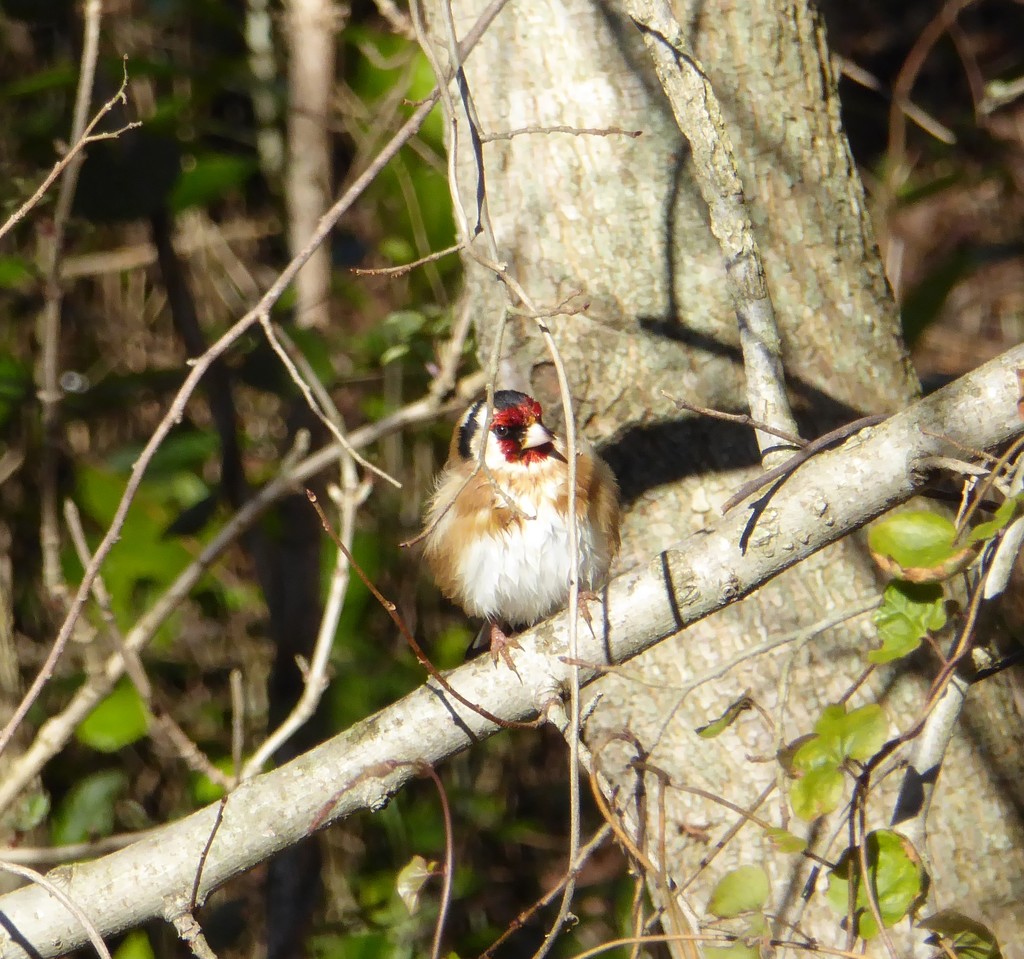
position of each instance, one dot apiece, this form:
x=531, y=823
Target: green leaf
x=395, y=335
x=785, y=841
x=896, y=877
x=29, y=811
x=909, y=612
x=855, y=735
x=136, y=945
x=718, y=726
x=840, y=735
x=815, y=752
x=143, y=559
x=817, y=792
x=968, y=938
x=204, y=790
x=209, y=179
x=743, y=890
x=411, y=880
x=914, y=538
x=119, y=720
x=918, y=546
x=1000, y=519
x=393, y=353
x=87, y=811
x=185, y=448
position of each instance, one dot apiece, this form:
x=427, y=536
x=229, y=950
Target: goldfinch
x=497, y=532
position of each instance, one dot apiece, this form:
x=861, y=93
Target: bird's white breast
x=521, y=574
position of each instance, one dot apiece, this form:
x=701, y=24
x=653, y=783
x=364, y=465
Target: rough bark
x=621, y=221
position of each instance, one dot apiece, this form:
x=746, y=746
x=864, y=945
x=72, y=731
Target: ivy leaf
x=858, y=734
x=718, y=726
x=1000, y=520
x=743, y=890
x=918, y=546
x=909, y=612
x=838, y=735
x=817, y=792
x=785, y=841
x=968, y=938
x=896, y=877
x=411, y=880
x=841, y=735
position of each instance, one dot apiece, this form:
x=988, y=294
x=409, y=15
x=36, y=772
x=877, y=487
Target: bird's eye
x=502, y=432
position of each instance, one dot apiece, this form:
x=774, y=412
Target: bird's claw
x=501, y=645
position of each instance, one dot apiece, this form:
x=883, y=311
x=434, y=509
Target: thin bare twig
x=333, y=424
x=404, y=268
x=586, y=851
x=191, y=933
x=813, y=447
x=48, y=373
x=72, y=155
x=448, y=874
x=74, y=852
x=575, y=131
x=54, y=890
x=314, y=679
x=903, y=86
x=741, y=419
x=237, y=725
x=397, y=19
x=866, y=79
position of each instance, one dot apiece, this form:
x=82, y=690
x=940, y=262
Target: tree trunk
x=620, y=220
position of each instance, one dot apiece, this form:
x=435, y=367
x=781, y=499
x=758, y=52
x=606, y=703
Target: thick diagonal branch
x=825, y=499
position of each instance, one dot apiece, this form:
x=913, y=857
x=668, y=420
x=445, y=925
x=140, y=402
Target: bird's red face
x=520, y=434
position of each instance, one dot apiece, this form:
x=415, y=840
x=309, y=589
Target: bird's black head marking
x=468, y=430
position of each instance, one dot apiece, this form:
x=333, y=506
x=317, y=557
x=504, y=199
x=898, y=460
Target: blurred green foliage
x=118, y=721
x=195, y=156
x=87, y=811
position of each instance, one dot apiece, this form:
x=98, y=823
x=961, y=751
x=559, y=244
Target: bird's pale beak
x=537, y=434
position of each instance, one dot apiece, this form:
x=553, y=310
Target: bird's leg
x=583, y=598
x=501, y=643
